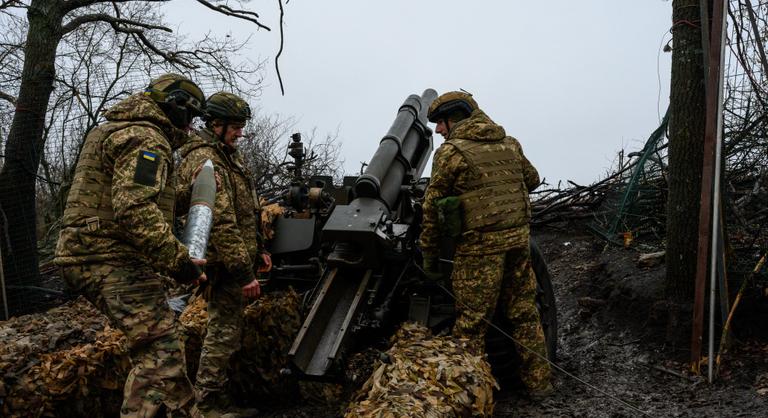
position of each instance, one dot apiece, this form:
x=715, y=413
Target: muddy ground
x=612, y=336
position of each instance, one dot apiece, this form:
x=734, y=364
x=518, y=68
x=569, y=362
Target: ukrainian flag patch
x=146, y=168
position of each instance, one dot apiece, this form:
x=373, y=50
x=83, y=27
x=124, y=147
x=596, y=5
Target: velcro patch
x=146, y=168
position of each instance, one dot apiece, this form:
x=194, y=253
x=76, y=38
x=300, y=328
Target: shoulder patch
x=146, y=168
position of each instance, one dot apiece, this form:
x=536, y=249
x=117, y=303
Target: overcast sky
x=574, y=81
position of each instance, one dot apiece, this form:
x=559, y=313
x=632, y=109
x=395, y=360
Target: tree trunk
x=686, y=140
x=23, y=151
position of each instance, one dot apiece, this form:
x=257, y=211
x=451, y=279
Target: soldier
x=117, y=240
x=235, y=252
x=488, y=172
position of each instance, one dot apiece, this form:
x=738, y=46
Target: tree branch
x=756, y=33
x=171, y=57
x=277, y=57
x=240, y=14
x=112, y=20
x=76, y=4
x=7, y=97
x=7, y=4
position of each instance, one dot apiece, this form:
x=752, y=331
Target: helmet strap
x=179, y=116
x=448, y=126
x=224, y=129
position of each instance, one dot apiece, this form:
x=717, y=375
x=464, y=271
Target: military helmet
x=228, y=107
x=175, y=89
x=451, y=103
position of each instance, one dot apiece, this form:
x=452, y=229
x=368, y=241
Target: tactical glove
x=188, y=272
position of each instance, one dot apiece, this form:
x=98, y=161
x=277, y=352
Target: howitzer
x=354, y=248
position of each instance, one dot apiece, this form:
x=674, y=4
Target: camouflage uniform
x=233, y=253
x=116, y=237
x=491, y=176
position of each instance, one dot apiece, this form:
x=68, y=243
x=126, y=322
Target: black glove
x=188, y=272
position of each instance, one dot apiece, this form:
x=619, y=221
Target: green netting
x=636, y=206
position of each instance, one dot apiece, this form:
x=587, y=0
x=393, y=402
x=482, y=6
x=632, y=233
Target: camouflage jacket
x=236, y=239
x=113, y=210
x=452, y=176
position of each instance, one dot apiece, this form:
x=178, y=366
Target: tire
x=545, y=300
x=502, y=353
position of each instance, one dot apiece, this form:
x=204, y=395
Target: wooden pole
x=713, y=99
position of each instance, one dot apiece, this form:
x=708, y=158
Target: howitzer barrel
x=403, y=151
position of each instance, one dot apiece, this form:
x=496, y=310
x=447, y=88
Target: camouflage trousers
x=479, y=283
x=224, y=331
x=133, y=298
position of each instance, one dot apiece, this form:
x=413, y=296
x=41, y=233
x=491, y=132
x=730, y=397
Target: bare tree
x=265, y=150
x=58, y=65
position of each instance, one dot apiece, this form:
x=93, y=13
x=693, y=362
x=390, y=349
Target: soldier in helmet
x=490, y=175
x=235, y=252
x=116, y=238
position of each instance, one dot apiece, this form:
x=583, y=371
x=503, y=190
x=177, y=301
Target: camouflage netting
x=66, y=362
x=268, y=215
x=335, y=396
x=271, y=324
x=426, y=376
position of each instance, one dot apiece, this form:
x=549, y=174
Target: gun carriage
x=353, y=250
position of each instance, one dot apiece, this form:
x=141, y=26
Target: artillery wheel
x=545, y=300
x=502, y=352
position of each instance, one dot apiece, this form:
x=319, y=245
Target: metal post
x=722, y=274
x=714, y=75
x=716, y=201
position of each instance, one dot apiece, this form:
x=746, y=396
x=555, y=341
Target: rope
x=535, y=353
